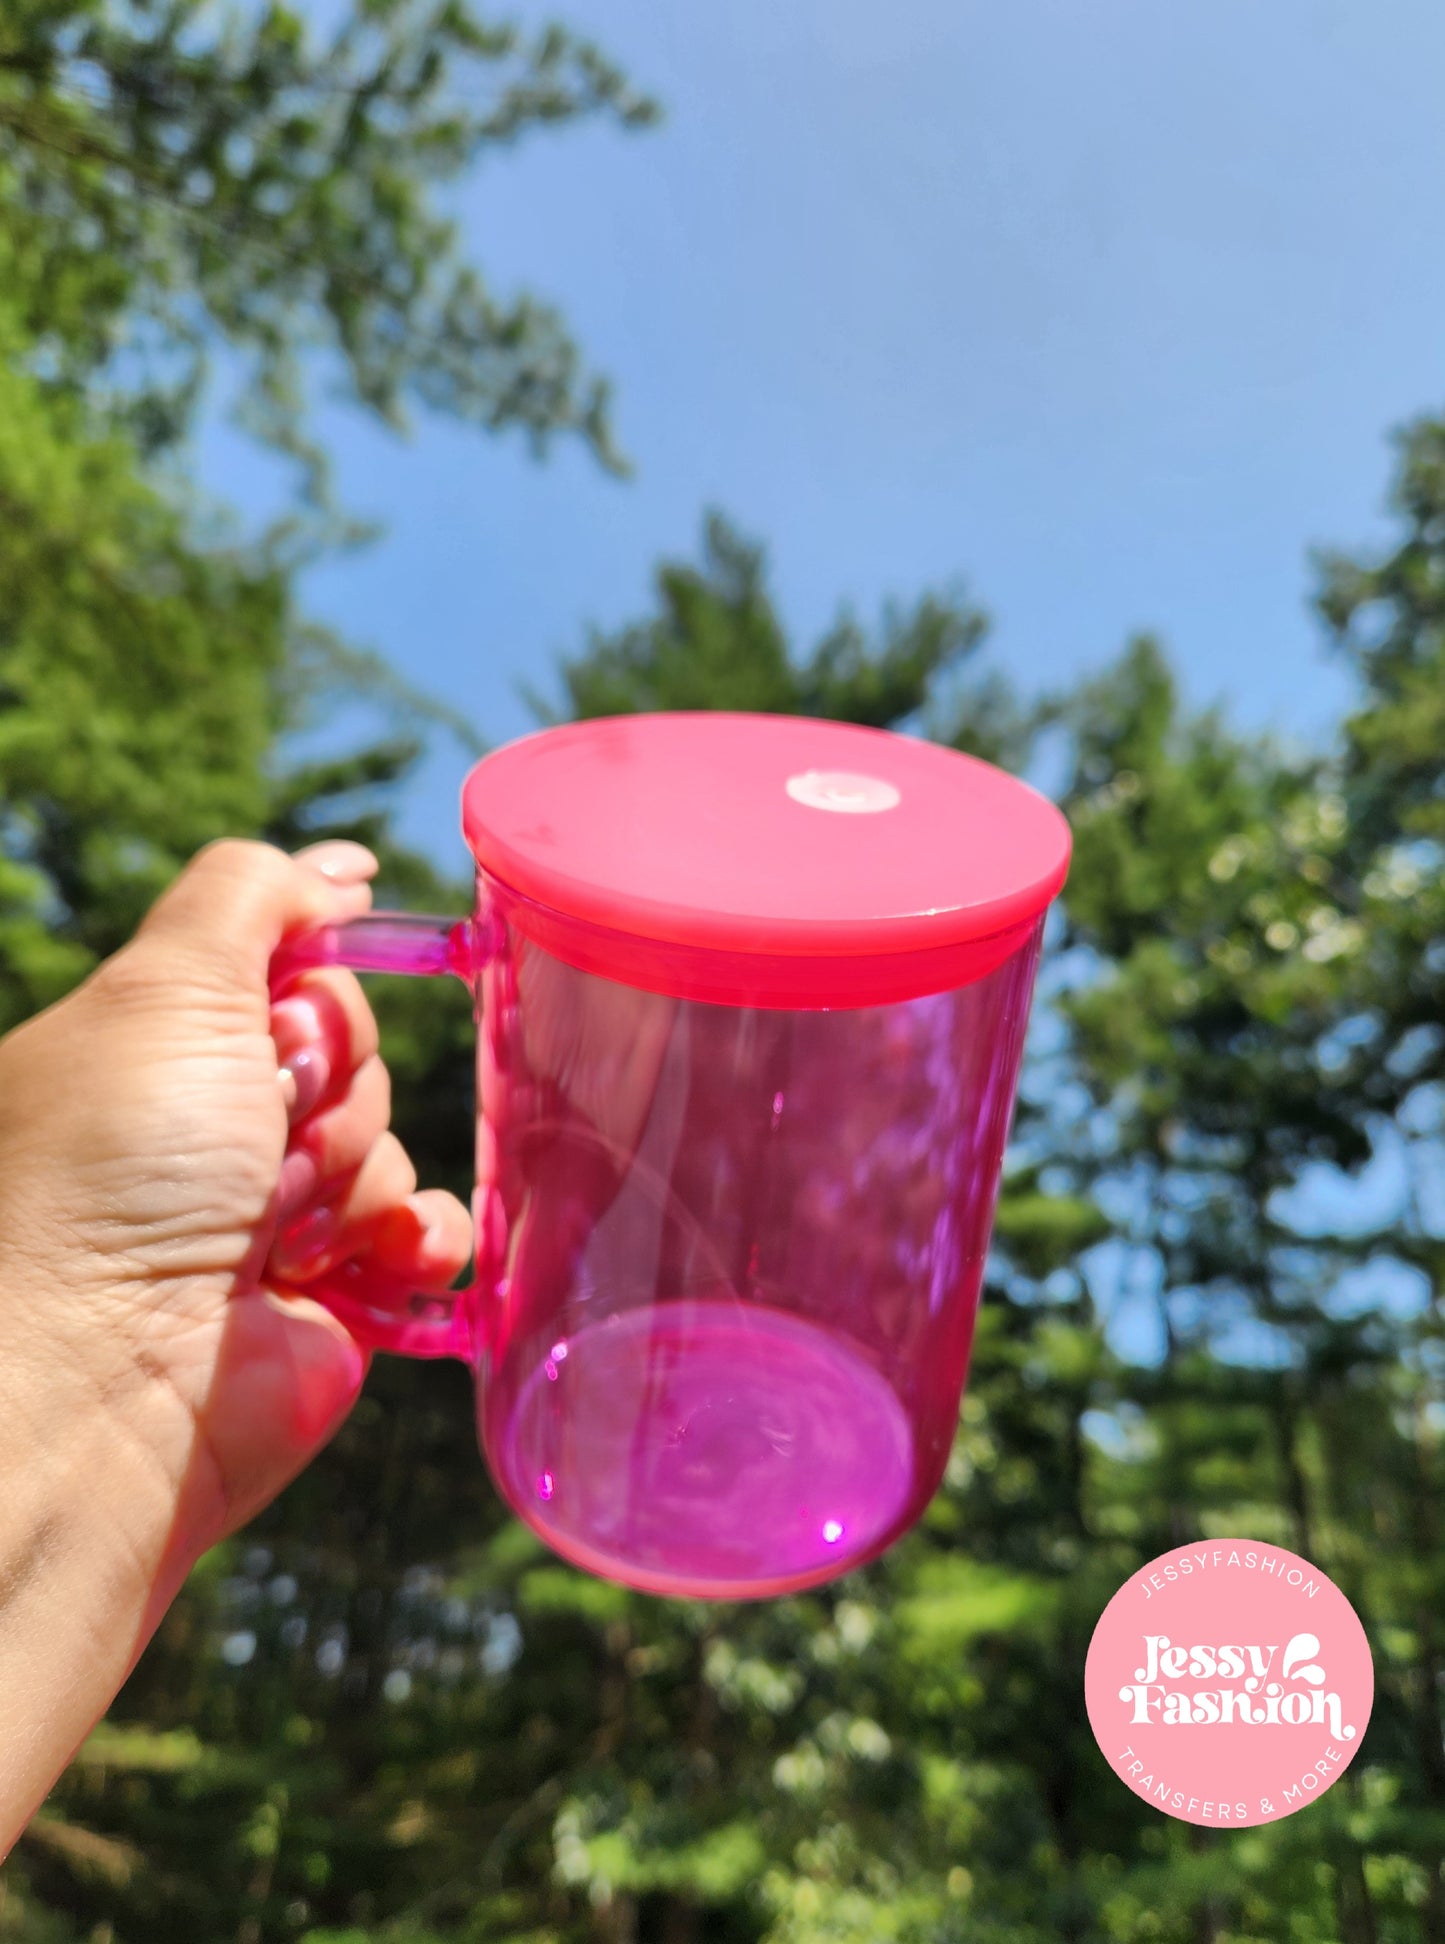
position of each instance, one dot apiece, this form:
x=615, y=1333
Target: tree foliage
x=385, y=1715
x=175, y=174
x=716, y=642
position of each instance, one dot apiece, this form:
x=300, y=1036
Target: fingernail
x=295, y=1019
x=305, y=1248
x=340, y=860
x=296, y=1183
x=304, y=1078
x=401, y=1229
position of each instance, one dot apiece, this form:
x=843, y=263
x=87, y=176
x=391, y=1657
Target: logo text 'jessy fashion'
x=1258, y=1701
x=1201, y=1687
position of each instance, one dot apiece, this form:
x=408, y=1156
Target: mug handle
x=382, y=1312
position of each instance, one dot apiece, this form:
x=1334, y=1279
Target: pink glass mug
x=751, y=996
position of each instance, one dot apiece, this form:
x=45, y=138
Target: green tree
x=1388, y=1055
x=178, y=182
x=388, y=1715
x=385, y=1716
x=138, y=688
x=181, y=186
x=716, y=642
x=174, y=176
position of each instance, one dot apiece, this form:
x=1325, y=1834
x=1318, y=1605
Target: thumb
x=286, y=1375
x=236, y=900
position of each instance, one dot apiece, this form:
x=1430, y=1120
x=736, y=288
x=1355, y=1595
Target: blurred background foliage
x=384, y=1715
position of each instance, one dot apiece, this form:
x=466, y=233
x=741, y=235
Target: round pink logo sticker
x=1229, y=1682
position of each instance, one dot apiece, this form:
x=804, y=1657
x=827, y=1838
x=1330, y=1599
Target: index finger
x=235, y=902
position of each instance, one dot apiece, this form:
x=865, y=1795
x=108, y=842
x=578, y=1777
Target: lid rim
x=816, y=938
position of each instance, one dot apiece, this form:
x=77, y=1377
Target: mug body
x=730, y=1257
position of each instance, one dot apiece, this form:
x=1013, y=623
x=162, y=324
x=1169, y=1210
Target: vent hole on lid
x=842, y=790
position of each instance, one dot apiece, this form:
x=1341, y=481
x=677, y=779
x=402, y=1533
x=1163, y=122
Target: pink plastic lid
x=763, y=860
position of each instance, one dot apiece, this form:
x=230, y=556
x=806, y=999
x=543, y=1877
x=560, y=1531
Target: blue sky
x=1105, y=311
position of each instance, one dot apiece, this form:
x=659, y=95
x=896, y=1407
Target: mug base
x=712, y=1448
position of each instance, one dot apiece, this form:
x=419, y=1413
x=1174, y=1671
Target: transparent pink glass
x=727, y=1258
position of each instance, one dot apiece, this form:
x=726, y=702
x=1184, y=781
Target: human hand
x=156, y=1126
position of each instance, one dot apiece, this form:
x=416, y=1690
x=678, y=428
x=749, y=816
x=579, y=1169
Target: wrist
x=93, y=1458
x=90, y=1554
